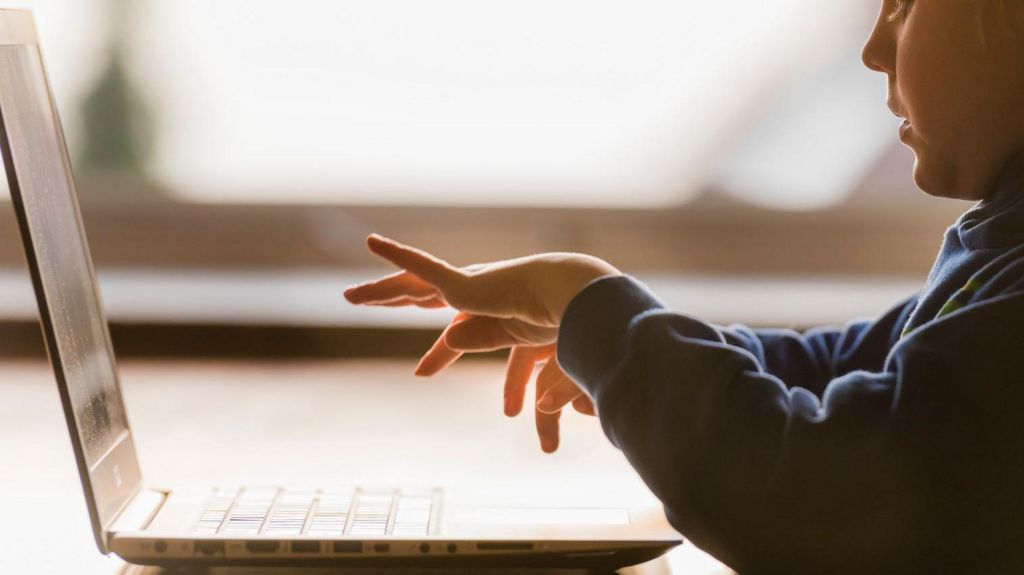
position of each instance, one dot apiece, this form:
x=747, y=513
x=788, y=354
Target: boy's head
x=956, y=74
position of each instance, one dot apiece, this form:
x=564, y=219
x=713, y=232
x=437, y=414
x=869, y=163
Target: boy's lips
x=905, y=126
x=905, y=129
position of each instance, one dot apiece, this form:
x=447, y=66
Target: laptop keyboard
x=255, y=511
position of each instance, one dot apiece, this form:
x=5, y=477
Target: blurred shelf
x=713, y=235
x=313, y=299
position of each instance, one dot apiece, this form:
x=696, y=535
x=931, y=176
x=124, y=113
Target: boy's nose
x=879, y=52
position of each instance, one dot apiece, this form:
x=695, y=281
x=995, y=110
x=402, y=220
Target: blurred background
x=232, y=155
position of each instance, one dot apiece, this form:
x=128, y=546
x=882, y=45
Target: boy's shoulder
x=982, y=303
x=983, y=320
x=1003, y=275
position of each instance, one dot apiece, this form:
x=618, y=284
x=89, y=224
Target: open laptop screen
x=74, y=325
x=61, y=254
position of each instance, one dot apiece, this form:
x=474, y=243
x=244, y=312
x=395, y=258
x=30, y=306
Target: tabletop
x=365, y=422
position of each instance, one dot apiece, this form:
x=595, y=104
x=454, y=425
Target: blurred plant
x=118, y=128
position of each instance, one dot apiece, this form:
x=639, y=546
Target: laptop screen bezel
x=116, y=478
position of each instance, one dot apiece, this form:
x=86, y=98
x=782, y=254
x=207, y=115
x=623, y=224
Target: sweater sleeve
x=812, y=359
x=771, y=478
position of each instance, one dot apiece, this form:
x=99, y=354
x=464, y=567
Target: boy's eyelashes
x=900, y=10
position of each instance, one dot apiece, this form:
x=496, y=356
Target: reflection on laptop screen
x=80, y=331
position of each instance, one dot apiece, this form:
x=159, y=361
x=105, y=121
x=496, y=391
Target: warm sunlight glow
x=462, y=102
x=575, y=103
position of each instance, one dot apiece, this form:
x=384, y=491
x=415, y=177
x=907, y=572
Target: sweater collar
x=998, y=220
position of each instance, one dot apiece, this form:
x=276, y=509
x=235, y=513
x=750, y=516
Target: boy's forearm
x=814, y=358
x=747, y=469
x=809, y=360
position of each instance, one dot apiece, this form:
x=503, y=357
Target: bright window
x=525, y=102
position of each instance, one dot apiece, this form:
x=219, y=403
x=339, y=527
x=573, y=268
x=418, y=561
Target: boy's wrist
x=595, y=324
x=587, y=271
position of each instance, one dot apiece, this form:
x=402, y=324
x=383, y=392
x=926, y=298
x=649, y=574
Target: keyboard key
x=273, y=511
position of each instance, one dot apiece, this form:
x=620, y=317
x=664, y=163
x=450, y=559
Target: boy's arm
x=771, y=479
x=814, y=358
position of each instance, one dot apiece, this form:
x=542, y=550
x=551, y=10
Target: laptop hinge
x=139, y=512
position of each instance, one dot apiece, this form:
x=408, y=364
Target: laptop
x=377, y=526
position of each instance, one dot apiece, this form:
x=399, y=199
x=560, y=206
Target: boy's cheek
x=939, y=94
x=940, y=65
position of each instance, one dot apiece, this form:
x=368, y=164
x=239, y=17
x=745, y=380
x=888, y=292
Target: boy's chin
x=942, y=180
x=924, y=179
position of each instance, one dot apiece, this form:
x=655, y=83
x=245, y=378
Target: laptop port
x=381, y=547
x=305, y=546
x=506, y=546
x=209, y=548
x=348, y=546
x=262, y=546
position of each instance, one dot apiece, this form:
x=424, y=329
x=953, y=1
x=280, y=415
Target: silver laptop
x=237, y=525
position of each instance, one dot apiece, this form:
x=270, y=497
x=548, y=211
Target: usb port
x=504, y=546
x=262, y=546
x=348, y=546
x=305, y=546
x=209, y=548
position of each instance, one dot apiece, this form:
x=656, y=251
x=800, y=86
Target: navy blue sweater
x=889, y=445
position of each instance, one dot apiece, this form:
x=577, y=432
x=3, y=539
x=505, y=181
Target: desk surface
x=322, y=423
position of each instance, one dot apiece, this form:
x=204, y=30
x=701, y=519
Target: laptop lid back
x=71, y=313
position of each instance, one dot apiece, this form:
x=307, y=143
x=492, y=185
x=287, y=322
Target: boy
x=886, y=446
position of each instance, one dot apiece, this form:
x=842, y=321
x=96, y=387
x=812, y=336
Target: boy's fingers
x=558, y=395
x=479, y=333
x=396, y=285
x=547, y=430
x=547, y=423
x=433, y=270
x=521, y=361
x=429, y=303
x=517, y=375
x=584, y=405
x=436, y=359
x=439, y=356
x=559, y=390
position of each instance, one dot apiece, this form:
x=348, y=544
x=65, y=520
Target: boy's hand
x=514, y=304
x=554, y=390
x=532, y=289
